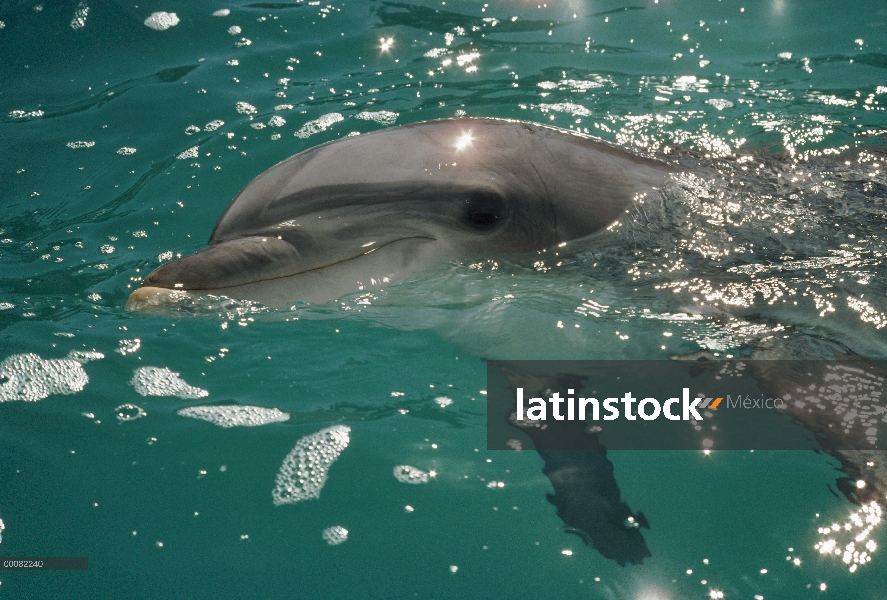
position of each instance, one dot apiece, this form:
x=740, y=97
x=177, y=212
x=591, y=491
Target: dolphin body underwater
x=368, y=211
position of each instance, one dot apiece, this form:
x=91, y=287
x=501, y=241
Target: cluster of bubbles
x=304, y=470
x=335, y=535
x=160, y=381
x=319, y=124
x=129, y=412
x=235, y=416
x=161, y=21
x=31, y=378
x=408, y=474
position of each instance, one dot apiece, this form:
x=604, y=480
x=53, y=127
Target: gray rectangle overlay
x=687, y=405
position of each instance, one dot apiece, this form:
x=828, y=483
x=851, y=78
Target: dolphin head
x=368, y=210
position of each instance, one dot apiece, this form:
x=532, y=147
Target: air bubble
x=304, y=470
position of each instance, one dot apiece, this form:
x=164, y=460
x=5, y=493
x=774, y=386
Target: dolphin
x=367, y=211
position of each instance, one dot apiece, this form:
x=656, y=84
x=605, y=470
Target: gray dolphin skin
x=367, y=211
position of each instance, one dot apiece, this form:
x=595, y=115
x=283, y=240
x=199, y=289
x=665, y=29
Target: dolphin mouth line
x=324, y=266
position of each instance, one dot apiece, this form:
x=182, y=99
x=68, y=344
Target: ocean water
x=124, y=136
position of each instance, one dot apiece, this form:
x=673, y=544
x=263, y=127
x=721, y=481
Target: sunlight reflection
x=842, y=539
x=463, y=141
x=653, y=593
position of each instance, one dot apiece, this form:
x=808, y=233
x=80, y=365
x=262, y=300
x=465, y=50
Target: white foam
x=81, y=144
x=576, y=110
x=129, y=412
x=234, y=415
x=335, y=535
x=318, y=125
x=245, y=108
x=126, y=151
x=85, y=356
x=31, y=378
x=80, y=14
x=719, y=103
x=25, y=114
x=189, y=153
x=128, y=346
x=409, y=474
x=222, y=12
x=304, y=470
x=161, y=21
x=160, y=381
x=383, y=117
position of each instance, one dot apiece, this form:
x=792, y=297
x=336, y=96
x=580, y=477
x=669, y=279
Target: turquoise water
x=122, y=144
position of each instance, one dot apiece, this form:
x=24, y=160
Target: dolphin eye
x=483, y=210
x=483, y=219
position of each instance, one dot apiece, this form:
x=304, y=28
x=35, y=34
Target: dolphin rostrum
x=367, y=211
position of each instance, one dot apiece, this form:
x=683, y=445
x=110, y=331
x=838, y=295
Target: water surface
x=123, y=143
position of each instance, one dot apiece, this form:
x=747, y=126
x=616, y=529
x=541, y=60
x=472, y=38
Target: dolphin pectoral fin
x=580, y=534
x=148, y=297
x=590, y=505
